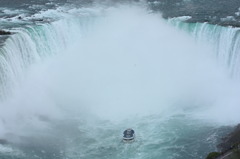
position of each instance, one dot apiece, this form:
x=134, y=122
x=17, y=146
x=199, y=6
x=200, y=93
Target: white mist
x=131, y=63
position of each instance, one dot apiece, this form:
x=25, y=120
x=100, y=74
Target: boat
x=128, y=135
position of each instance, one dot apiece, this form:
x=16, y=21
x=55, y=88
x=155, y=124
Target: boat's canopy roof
x=128, y=133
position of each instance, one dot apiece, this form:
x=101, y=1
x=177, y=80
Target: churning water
x=71, y=84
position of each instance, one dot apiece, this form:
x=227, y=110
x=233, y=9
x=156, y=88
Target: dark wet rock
x=2, y=32
x=229, y=148
x=231, y=154
x=213, y=155
x=231, y=140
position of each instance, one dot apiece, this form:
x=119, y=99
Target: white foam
x=5, y=149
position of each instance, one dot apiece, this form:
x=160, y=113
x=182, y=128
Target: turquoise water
x=69, y=87
x=156, y=137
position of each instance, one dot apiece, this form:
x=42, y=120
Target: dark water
x=212, y=11
x=222, y=12
x=200, y=10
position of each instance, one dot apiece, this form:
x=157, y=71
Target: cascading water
x=224, y=42
x=113, y=68
x=32, y=44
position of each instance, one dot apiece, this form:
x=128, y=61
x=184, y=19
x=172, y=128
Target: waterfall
x=83, y=79
x=224, y=41
x=33, y=44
